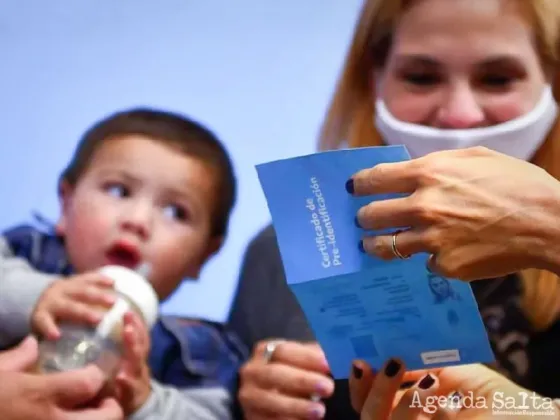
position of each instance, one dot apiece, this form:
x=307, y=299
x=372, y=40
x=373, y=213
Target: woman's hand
x=57, y=396
x=282, y=386
x=479, y=393
x=481, y=214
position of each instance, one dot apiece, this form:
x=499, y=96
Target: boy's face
x=138, y=201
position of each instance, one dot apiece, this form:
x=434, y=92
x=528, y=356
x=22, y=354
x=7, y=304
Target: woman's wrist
x=547, y=251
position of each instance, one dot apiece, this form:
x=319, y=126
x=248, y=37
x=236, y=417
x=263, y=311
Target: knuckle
x=445, y=271
x=378, y=171
x=421, y=209
x=380, y=246
x=247, y=371
x=271, y=375
x=309, y=355
x=86, y=385
x=244, y=396
x=366, y=179
x=304, y=383
x=83, y=312
x=375, y=176
x=432, y=240
x=424, y=169
x=87, y=279
x=448, y=268
x=92, y=292
x=478, y=151
x=442, y=266
x=365, y=214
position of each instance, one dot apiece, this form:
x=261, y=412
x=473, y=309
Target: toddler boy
x=144, y=186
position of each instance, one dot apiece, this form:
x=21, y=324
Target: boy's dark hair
x=191, y=137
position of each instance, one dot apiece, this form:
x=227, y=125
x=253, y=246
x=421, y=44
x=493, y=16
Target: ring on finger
x=269, y=350
x=395, y=249
x=455, y=400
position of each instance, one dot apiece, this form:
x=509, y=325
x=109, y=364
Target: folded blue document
x=359, y=306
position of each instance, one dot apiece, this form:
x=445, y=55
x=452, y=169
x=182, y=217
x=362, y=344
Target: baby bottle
x=81, y=345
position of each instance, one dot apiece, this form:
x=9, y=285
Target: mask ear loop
x=555, y=64
x=556, y=84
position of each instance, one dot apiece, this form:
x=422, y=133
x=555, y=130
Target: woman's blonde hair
x=350, y=115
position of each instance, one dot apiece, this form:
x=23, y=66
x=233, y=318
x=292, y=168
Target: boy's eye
x=176, y=212
x=117, y=190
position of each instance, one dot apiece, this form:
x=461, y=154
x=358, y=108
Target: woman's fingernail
x=350, y=186
x=426, y=382
x=323, y=388
x=361, y=247
x=357, y=222
x=317, y=412
x=358, y=372
x=407, y=384
x=392, y=368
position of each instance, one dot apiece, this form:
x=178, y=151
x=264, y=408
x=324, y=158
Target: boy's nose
x=138, y=220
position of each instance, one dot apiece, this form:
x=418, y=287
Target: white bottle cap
x=136, y=288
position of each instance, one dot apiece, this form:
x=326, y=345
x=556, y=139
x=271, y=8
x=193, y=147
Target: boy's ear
x=214, y=245
x=65, y=193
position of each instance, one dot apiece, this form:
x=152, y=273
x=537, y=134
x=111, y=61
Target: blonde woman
x=433, y=75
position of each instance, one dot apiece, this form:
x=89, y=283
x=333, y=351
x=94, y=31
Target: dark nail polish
x=407, y=384
x=357, y=222
x=392, y=368
x=350, y=186
x=358, y=373
x=426, y=382
x=361, y=247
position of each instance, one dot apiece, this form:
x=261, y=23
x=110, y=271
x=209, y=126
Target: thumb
x=21, y=357
x=476, y=378
x=76, y=387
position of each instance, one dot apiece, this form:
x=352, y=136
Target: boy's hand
x=79, y=299
x=132, y=383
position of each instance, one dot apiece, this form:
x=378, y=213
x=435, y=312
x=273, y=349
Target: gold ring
x=395, y=250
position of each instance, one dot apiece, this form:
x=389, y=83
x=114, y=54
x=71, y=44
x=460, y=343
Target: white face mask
x=520, y=137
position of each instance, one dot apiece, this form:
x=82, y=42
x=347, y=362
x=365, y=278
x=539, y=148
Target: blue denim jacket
x=184, y=352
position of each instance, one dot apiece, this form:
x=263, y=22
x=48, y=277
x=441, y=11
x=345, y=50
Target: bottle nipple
x=136, y=290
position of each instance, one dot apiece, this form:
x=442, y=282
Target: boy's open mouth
x=124, y=254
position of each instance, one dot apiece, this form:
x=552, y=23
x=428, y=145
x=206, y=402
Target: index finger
x=96, y=278
x=303, y=356
x=379, y=402
x=385, y=178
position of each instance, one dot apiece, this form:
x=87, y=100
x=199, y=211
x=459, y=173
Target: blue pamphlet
x=359, y=306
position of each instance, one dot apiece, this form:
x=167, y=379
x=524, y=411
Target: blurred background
x=258, y=73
